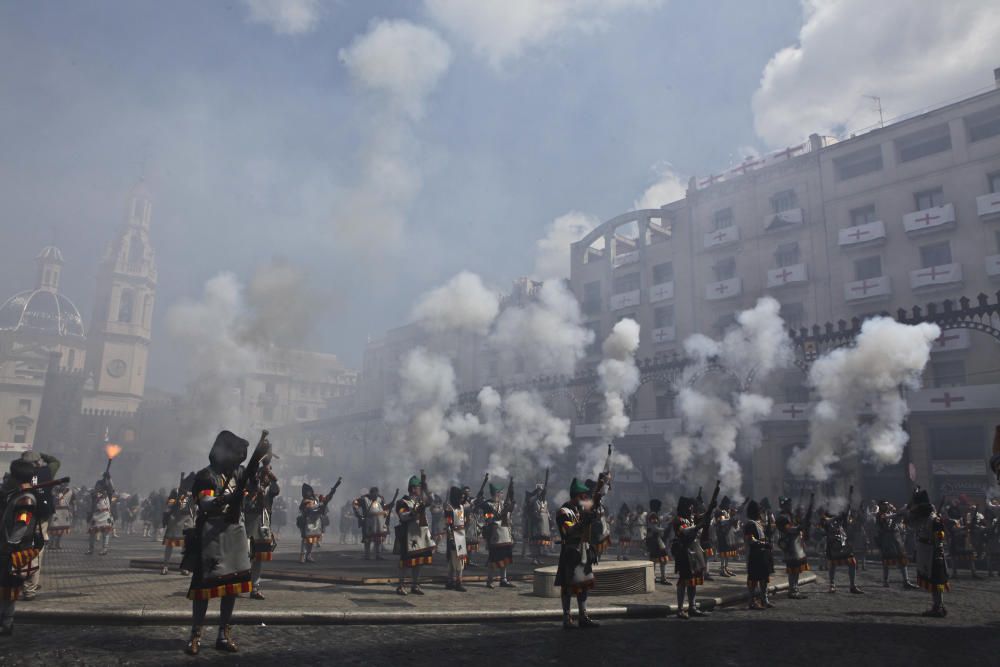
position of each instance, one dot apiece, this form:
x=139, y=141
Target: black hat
x=655, y=505
x=228, y=451
x=920, y=497
x=753, y=510
x=724, y=505
x=455, y=496
x=307, y=491
x=765, y=504
x=684, y=505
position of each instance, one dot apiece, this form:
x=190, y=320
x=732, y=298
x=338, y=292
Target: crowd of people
x=226, y=518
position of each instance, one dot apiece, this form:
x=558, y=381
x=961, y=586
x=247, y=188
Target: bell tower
x=121, y=327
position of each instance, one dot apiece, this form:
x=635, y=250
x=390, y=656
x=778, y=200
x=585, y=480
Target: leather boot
x=194, y=643
x=225, y=641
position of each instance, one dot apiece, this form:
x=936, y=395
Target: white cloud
x=668, y=188
x=910, y=55
x=552, y=257
x=400, y=59
x=500, y=30
x=285, y=17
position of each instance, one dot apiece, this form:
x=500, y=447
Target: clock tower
x=121, y=327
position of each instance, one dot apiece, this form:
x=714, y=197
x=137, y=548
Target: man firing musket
x=538, y=532
x=413, y=536
x=373, y=516
x=600, y=530
x=792, y=535
x=313, y=518
x=499, y=532
x=686, y=548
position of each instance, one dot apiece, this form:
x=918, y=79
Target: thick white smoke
x=530, y=437
x=618, y=375
x=461, y=304
x=552, y=259
x=594, y=457
x=714, y=423
x=887, y=357
x=546, y=333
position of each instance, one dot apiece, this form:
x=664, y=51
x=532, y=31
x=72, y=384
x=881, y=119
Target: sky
x=383, y=146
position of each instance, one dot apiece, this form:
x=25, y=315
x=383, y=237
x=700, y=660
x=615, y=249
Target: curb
x=144, y=616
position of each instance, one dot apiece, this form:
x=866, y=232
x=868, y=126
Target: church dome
x=41, y=311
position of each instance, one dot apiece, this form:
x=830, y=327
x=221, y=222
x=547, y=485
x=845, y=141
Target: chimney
x=996, y=76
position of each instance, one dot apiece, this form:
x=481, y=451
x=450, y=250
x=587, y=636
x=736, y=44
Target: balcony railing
x=724, y=289
x=625, y=300
x=787, y=275
x=722, y=237
x=988, y=206
x=860, y=234
x=661, y=292
x=943, y=274
x=929, y=219
x=623, y=258
x=870, y=288
x=783, y=220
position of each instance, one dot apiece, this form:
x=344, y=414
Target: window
x=983, y=124
x=592, y=297
x=863, y=215
x=663, y=273
x=24, y=406
x=724, y=269
x=136, y=250
x=71, y=361
x=787, y=254
x=794, y=314
x=664, y=405
x=663, y=317
x=20, y=433
x=997, y=236
x=269, y=387
x=994, y=181
x=723, y=323
x=267, y=413
x=868, y=268
x=659, y=230
x=627, y=316
x=926, y=199
x=935, y=254
x=926, y=142
x=784, y=201
x=949, y=373
x=626, y=283
x=722, y=219
x=125, y=306
x=859, y=163
x=957, y=442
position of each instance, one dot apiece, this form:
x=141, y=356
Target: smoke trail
x=531, y=437
x=594, y=456
x=619, y=376
x=888, y=356
x=546, y=333
x=461, y=304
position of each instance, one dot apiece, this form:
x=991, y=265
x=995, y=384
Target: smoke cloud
x=668, y=188
x=461, y=304
x=552, y=257
x=619, y=376
x=887, y=357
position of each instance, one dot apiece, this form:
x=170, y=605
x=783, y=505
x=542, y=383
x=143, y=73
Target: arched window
x=136, y=250
x=126, y=306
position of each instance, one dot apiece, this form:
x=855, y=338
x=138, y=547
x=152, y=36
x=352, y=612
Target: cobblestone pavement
x=882, y=628
x=102, y=584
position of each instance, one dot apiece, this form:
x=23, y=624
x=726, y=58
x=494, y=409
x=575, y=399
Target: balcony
x=988, y=206
x=868, y=289
x=724, y=289
x=625, y=300
x=951, y=340
x=661, y=292
x=777, y=221
x=861, y=234
x=935, y=276
x=930, y=219
x=722, y=237
x=993, y=266
x=625, y=258
x=787, y=275
x=664, y=335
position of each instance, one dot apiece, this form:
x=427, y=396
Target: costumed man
x=539, y=532
x=218, y=555
x=45, y=467
x=454, y=518
x=61, y=522
x=178, y=517
x=600, y=528
x=838, y=547
x=310, y=522
x=438, y=528
x=689, y=554
x=726, y=536
x=575, y=573
x=23, y=508
x=760, y=559
x=656, y=539
x=101, y=522
x=373, y=517
x=413, y=535
x=792, y=535
x=499, y=533
x=623, y=529
x=889, y=524
x=473, y=525
x=966, y=542
x=932, y=570
x=258, y=508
